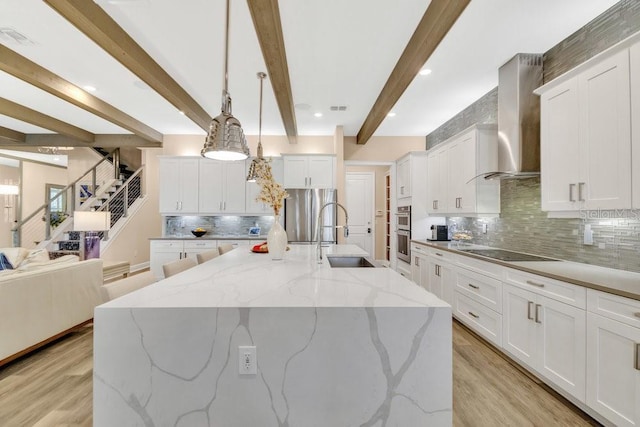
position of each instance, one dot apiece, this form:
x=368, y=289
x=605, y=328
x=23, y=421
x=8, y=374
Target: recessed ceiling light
x=89, y=88
x=391, y=114
x=425, y=72
x=318, y=114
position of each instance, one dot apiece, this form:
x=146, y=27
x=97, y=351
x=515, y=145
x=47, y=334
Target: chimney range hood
x=518, y=118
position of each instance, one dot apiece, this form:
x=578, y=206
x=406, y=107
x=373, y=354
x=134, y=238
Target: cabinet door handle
x=433, y=204
x=637, y=358
x=580, y=188
x=417, y=262
x=474, y=315
x=571, y=187
x=438, y=253
x=529, y=306
x=224, y=206
x=437, y=204
x=177, y=205
x=538, y=313
x=309, y=181
x=474, y=286
x=538, y=285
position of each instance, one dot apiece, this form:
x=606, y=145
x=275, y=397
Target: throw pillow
x=15, y=255
x=36, y=255
x=4, y=262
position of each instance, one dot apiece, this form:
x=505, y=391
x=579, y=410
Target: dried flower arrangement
x=271, y=192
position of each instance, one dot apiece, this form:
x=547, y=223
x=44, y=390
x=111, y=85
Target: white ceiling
x=339, y=52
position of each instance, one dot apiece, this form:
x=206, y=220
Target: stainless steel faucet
x=319, y=226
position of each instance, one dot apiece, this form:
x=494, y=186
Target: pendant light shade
x=225, y=139
x=253, y=168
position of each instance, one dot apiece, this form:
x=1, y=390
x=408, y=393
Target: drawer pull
x=538, y=314
x=474, y=315
x=438, y=253
x=539, y=285
x=637, y=364
x=474, y=286
x=637, y=314
x=529, y=316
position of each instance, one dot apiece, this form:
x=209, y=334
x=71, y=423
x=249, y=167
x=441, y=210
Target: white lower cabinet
x=481, y=319
x=613, y=359
x=165, y=251
x=547, y=336
x=431, y=270
x=441, y=279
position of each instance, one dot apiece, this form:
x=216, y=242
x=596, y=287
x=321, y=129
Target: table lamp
x=91, y=222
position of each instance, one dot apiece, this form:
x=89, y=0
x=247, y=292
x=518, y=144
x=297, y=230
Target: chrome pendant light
x=253, y=168
x=225, y=139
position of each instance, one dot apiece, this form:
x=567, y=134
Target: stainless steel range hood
x=518, y=118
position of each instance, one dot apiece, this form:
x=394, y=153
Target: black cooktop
x=504, y=255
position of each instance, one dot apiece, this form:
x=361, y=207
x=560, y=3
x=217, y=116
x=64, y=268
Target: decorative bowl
x=198, y=233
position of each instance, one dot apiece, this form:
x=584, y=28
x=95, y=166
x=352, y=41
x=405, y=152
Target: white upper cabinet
x=411, y=181
x=560, y=142
x=403, y=177
x=605, y=137
x=308, y=171
x=634, y=65
x=252, y=206
x=454, y=186
x=178, y=185
x=437, y=180
x=222, y=186
x=586, y=138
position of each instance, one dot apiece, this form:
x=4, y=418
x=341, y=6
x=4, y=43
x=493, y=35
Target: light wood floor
x=52, y=387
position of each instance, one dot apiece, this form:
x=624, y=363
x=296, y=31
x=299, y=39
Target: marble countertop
x=241, y=278
x=213, y=237
x=611, y=280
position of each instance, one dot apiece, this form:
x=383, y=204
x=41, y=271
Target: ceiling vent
x=338, y=108
x=10, y=35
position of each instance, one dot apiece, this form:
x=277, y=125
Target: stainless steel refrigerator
x=301, y=211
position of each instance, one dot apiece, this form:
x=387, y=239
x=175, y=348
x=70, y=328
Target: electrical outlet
x=247, y=361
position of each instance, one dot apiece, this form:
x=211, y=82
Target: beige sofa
x=42, y=301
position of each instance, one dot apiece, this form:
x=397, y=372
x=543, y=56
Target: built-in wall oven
x=403, y=233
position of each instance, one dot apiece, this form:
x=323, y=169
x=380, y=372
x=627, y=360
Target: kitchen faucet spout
x=319, y=226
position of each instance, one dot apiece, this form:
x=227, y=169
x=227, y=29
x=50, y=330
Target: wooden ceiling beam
x=266, y=21
x=96, y=24
x=101, y=140
x=12, y=135
x=434, y=25
x=26, y=114
x=32, y=73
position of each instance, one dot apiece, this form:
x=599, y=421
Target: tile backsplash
x=218, y=225
x=523, y=227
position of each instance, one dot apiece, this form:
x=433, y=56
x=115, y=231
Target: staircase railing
x=38, y=225
x=122, y=199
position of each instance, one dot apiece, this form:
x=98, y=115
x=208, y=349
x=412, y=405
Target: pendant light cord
x=226, y=99
x=261, y=76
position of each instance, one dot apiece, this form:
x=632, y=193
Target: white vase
x=277, y=240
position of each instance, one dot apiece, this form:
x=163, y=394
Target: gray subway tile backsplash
x=216, y=225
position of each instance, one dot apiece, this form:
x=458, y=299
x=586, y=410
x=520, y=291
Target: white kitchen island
x=335, y=347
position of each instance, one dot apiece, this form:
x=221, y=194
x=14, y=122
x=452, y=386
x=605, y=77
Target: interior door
x=359, y=196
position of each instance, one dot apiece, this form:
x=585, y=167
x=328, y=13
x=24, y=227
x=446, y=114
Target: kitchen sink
x=341, y=261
